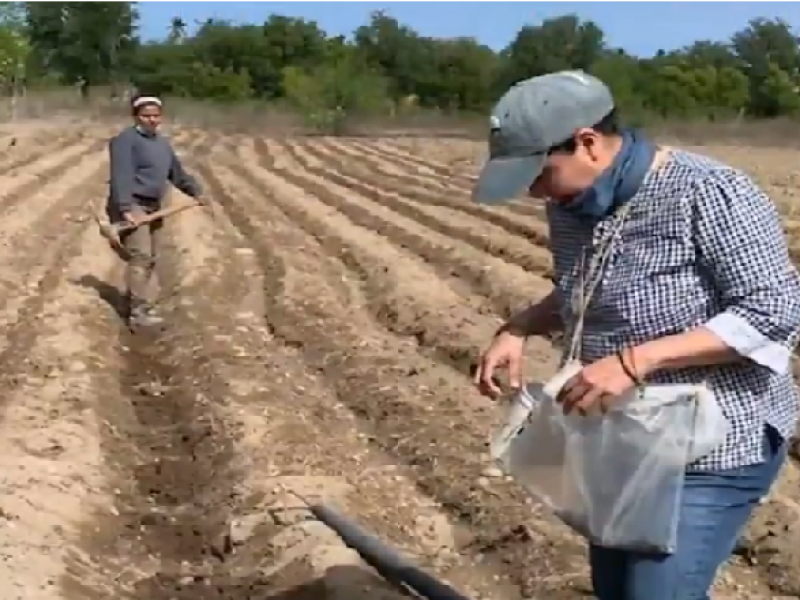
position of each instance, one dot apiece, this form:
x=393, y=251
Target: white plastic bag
x=616, y=478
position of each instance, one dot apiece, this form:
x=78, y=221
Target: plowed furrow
x=433, y=180
x=53, y=476
x=173, y=453
x=439, y=175
x=282, y=414
x=170, y=453
x=43, y=234
x=44, y=274
x=392, y=167
x=490, y=277
x=404, y=293
x=38, y=149
x=419, y=165
x=248, y=167
x=428, y=191
x=374, y=152
x=52, y=167
x=447, y=219
x=17, y=147
x=404, y=398
x=286, y=411
x=174, y=460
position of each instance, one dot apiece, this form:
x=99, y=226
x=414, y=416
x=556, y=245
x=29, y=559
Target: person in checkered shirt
x=699, y=287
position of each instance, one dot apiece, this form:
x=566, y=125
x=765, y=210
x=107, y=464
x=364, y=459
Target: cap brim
x=503, y=179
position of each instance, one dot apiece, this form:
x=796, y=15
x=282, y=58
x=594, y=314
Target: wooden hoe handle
x=159, y=214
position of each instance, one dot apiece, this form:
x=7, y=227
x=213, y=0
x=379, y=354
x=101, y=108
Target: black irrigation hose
x=384, y=559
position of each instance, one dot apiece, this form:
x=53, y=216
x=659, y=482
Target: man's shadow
x=110, y=294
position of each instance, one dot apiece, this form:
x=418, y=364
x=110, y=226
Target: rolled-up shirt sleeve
x=742, y=246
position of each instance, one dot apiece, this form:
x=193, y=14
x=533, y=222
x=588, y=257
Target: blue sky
x=640, y=28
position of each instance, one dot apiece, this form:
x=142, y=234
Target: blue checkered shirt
x=701, y=245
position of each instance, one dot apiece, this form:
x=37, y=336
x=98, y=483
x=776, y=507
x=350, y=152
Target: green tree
x=405, y=58
x=236, y=49
x=388, y=64
x=777, y=93
x=560, y=43
x=622, y=73
x=87, y=43
x=770, y=58
x=289, y=42
x=165, y=69
x=716, y=54
x=464, y=71
x=329, y=93
x=14, y=51
x=225, y=84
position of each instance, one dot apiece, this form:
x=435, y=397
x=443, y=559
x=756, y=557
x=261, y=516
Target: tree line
x=386, y=66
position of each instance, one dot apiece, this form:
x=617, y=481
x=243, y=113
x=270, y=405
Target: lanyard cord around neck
x=589, y=280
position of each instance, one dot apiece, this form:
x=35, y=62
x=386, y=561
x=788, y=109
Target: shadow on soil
x=338, y=583
x=110, y=294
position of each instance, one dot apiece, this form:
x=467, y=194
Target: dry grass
x=66, y=104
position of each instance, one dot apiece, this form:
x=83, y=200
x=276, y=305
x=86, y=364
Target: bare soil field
x=323, y=316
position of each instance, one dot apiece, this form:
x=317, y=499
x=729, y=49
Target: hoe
x=111, y=231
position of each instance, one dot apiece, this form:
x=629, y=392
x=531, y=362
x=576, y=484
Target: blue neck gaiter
x=620, y=182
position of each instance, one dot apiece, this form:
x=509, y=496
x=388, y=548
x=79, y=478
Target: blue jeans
x=716, y=506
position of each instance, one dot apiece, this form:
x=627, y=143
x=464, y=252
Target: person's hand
x=600, y=384
x=115, y=241
x=505, y=351
x=202, y=201
x=134, y=216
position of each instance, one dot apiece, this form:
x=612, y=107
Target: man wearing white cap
x=142, y=163
x=670, y=268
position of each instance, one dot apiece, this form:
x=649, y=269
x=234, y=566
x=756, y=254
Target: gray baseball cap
x=532, y=117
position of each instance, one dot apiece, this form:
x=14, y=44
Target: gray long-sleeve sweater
x=141, y=166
